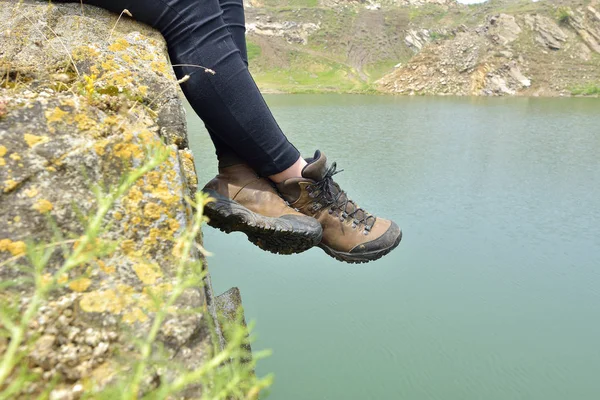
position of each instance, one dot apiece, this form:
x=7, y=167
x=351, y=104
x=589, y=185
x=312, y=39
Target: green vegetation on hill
x=350, y=49
x=589, y=89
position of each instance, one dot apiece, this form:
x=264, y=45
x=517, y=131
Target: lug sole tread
x=270, y=234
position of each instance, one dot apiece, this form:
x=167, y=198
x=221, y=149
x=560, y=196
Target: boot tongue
x=316, y=170
x=316, y=167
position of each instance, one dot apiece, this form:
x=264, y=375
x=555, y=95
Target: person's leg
x=229, y=101
x=233, y=15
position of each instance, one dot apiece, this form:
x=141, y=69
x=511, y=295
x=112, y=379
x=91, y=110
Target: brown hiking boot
x=247, y=203
x=349, y=233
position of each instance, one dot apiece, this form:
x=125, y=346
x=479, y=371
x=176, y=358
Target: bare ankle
x=295, y=171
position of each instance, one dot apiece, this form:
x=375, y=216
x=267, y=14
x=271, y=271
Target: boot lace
x=327, y=193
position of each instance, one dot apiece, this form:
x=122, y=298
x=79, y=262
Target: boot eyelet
x=330, y=211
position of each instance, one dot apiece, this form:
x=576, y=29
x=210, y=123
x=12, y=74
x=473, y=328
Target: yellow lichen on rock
x=119, y=45
x=32, y=140
x=153, y=177
x=101, y=301
x=128, y=151
x=80, y=284
x=163, y=193
x=31, y=192
x=136, y=314
x=9, y=185
x=109, y=65
x=108, y=269
x=85, y=123
x=3, y=151
x=127, y=58
x=15, y=248
x=188, y=155
x=147, y=273
x=135, y=195
x=159, y=67
x=85, y=53
x=100, y=147
x=43, y=206
x=153, y=211
x=56, y=115
x=124, y=301
x=161, y=290
x=173, y=225
x=127, y=246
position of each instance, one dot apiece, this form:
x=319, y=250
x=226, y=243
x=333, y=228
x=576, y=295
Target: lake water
x=494, y=292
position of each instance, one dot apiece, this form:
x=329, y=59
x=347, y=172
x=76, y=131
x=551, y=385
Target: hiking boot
x=247, y=203
x=349, y=233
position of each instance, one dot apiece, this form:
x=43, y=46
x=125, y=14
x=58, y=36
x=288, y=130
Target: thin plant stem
x=17, y=334
x=208, y=70
x=125, y=11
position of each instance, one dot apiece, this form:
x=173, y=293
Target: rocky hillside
x=529, y=53
x=501, y=47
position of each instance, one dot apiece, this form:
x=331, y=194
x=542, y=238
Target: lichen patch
x=147, y=273
x=32, y=140
x=43, y=206
x=10, y=185
x=15, y=248
x=31, y=192
x=80, y=284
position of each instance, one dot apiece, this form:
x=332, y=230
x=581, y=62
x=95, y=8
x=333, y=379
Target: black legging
x=211, y=33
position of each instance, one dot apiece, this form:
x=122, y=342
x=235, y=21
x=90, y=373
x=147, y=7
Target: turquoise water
x=494, y=292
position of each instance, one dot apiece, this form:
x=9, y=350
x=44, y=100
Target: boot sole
x=271, y=234
x=360, y=258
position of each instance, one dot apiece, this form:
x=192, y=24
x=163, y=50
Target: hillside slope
x=502, y=47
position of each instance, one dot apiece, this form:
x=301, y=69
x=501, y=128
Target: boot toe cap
x=388, y=241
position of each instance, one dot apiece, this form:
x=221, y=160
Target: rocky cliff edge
x=82, y=99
